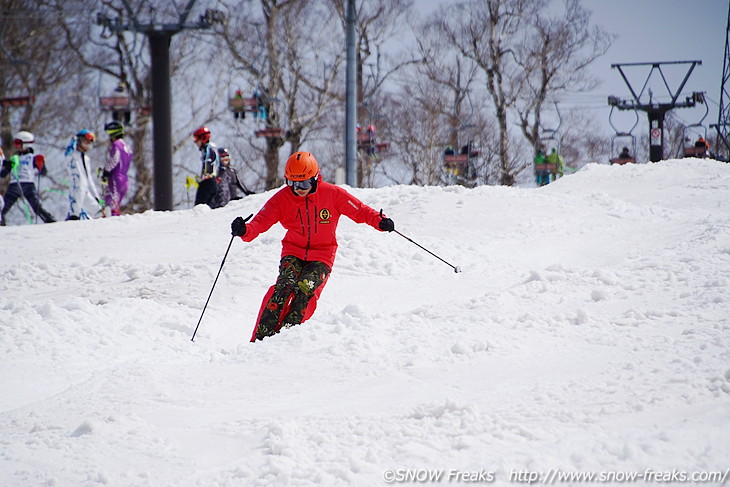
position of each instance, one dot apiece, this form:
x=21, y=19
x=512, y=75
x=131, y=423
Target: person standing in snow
x=114, y=174
x=207, y=184
x=309, y=209
x=24, y=166
x=222, y=188
x=82, y=195
x=228, y=178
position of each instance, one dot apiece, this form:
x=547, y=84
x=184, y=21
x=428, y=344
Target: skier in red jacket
x=309, y=209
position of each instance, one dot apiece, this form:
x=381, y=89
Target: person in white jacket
x=24, y=167
x=83, y=197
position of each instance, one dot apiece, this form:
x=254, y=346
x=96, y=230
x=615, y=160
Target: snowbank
x=588, y=333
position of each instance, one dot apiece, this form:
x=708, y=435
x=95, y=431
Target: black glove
x=385, y=224
x=238, y=227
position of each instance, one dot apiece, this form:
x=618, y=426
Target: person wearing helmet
x=24, y=166
x=114, y=174
x=207, y=184
x=83, y=197
x=309, y=209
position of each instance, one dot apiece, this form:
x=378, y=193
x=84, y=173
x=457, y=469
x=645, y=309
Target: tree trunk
x=506, y=177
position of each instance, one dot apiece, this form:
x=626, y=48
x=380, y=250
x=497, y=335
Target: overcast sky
x=653, y=31
x=665, y=30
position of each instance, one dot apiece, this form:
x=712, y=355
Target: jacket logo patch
x=324, y=215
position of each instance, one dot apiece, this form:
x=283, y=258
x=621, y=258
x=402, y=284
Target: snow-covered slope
x=587, y=334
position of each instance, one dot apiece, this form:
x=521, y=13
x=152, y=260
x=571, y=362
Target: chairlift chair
x=367, y=140
x=623, y=139
x=270, y=132
x=691, y=133
x=691, y=149
x=16, y=101
x=550, y=139
x=628, y=140
x=118, y=104
x=238, y=105
x=459, y=166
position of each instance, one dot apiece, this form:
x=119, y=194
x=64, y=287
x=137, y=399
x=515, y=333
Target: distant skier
x=115, y=170
x=24, y=166
x=210, y=165
x=82, y=195
x=309, y=209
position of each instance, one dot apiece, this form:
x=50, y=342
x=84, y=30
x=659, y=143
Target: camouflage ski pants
x=297, y=282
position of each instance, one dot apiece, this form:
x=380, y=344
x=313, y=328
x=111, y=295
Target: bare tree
x=581, y=141
x=379, y=22
x=292, y=64
x=120, y=60
x=488, y=32
x=33, y=64
x=417, y=141
x=120, y=57
x=435, y=108
x=554, y=57
x=675, y=136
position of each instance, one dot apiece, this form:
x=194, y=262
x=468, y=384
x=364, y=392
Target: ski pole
x=216, y=280
x=457, y=269
x=38, y=192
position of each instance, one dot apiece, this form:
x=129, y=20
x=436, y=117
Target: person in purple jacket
x=114, y=175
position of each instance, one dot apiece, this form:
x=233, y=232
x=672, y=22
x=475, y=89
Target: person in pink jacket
x=114, y=175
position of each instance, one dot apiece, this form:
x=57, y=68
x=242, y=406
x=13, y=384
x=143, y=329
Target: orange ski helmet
x=301, y=166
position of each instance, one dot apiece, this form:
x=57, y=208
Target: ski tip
x=457, y=269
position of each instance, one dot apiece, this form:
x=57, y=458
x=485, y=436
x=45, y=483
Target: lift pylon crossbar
x=654, y=110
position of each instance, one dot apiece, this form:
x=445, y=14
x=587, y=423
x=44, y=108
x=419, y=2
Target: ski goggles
x=306, y=184
x=87, y=136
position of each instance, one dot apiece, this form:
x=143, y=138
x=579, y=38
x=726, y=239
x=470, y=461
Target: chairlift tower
x=655, y=111
x=351, y=95
x=160, y=36
x=722, y=146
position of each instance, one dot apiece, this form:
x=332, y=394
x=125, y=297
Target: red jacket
x=311, y=220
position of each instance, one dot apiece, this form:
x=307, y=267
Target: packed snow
x=588, y=334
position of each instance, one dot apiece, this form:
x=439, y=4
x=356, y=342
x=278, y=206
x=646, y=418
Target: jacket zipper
x=309, y=225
